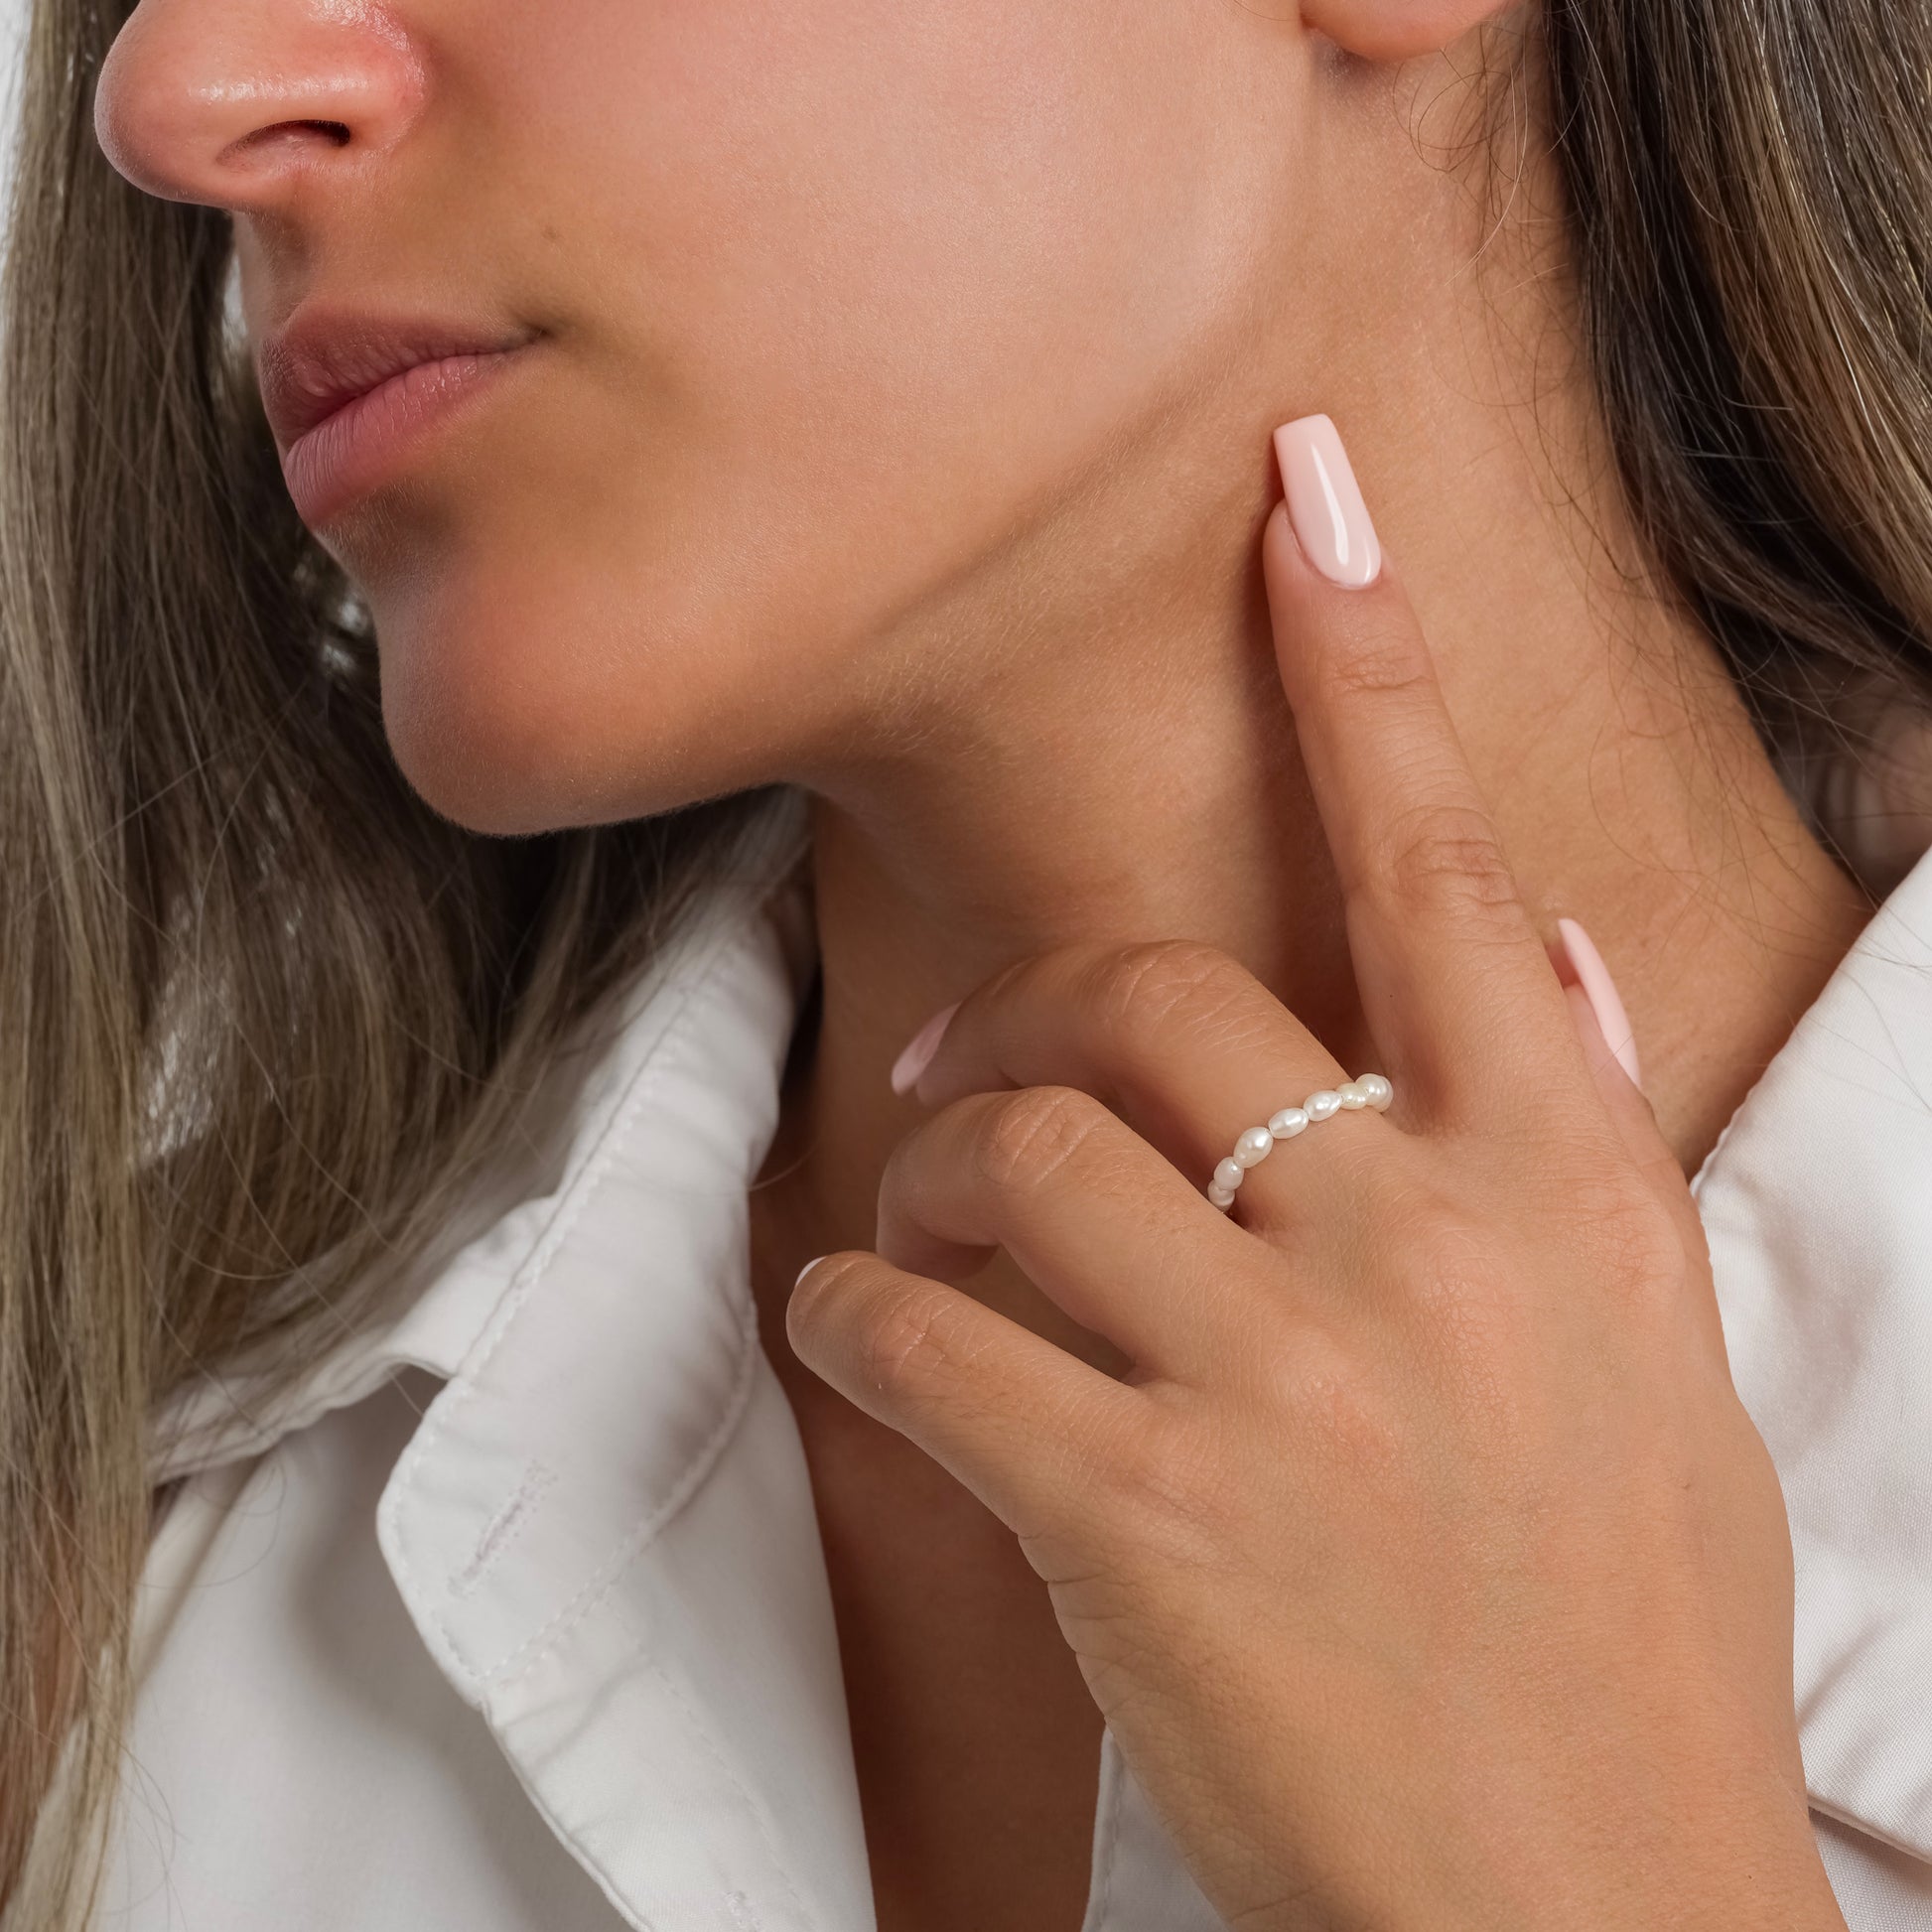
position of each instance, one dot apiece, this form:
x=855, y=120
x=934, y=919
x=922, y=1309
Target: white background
x=13, y=22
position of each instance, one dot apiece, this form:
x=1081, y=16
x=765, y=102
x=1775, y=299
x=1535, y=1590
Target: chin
x=513, y=708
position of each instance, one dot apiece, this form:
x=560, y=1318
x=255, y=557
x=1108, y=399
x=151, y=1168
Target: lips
x=351, y=399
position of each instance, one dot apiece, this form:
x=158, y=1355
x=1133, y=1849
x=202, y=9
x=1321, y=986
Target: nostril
x=336, y=131
x=297, y=134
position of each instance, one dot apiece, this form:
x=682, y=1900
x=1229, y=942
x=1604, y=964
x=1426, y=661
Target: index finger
x=1457, y=984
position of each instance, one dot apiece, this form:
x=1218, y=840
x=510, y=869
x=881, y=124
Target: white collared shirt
x=513, y=1615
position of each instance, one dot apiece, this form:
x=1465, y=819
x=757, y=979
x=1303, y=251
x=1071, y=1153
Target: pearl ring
x=1365, y=1090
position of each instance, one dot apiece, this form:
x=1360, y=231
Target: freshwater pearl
x=1365, y=1090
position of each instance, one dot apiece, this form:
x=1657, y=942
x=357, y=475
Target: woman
x=876, y=516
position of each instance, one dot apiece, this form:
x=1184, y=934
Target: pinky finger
x=1636, y=1124
x=1616, y=1087
x=1027, y=1427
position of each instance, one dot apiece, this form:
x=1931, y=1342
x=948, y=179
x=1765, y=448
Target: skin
x=900, y=428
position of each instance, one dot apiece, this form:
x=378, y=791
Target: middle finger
x=1087, y=1210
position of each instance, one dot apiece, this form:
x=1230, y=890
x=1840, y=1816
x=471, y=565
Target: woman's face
x=844, y=305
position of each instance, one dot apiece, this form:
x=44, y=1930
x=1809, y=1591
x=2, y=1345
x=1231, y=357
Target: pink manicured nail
x=917, y=1050
x=1325, y=503
x=1600, y=990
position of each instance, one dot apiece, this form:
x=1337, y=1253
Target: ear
x=1398, y=30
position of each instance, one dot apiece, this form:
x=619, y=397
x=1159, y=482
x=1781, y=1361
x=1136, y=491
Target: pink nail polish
x=1325, y=503
x=1600, y=990
x=921, y=1048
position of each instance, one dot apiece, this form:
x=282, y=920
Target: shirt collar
x=604, y=1532
x=603, y=1528
x=753, y=925
x=1817, y=1201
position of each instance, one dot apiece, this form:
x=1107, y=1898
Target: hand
x=1426, y=1565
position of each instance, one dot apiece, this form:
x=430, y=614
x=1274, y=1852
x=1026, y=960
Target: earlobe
x=1398, y=30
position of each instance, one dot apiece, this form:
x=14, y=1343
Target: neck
x=1102, y=751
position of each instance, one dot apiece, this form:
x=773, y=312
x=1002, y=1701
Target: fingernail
x=921, y=1048
x=1325, y=503
x=804, y=1271
x=1600, y=990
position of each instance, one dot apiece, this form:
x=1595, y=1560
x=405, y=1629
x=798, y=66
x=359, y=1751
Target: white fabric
x=562, y=1502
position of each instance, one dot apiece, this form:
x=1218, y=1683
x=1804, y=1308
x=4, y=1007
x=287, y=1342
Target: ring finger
x=1186, y=1046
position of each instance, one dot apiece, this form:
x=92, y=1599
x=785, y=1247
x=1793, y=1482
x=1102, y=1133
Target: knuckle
x=1373, y=664
x=1187, y=1486
x=907, y=1338
x=1027, y=1136
x=1455, y=1281
x=1447, y=858
x=1159, y=1483
x=1141, y=987
x=1635, y=1245
x=1343, y=1415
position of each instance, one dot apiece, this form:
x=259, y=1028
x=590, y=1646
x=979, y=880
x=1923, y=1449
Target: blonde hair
x=262, y=1012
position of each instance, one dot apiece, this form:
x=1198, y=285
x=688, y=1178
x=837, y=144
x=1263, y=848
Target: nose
x=228, y=102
